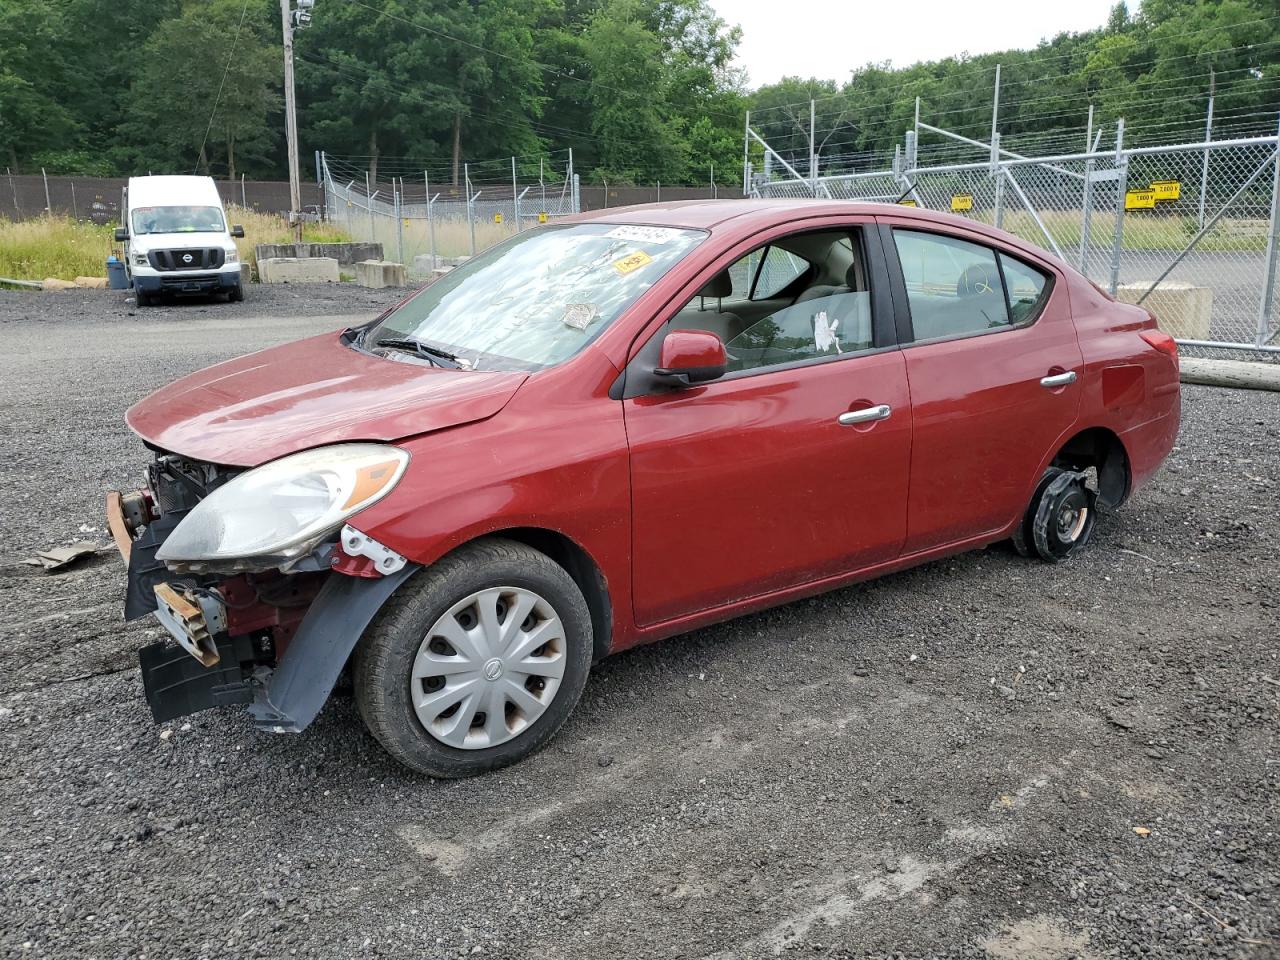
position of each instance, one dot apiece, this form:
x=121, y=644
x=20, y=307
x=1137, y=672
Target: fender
x=304, y=678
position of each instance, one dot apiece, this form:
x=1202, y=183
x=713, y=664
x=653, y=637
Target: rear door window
x=953, y=287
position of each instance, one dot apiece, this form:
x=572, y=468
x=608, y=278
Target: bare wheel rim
x=488, y=668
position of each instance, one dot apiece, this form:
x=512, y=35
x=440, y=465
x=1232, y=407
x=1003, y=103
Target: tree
x=227, y=91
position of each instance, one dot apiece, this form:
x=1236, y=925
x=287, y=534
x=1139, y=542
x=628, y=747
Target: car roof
x=162, y=190
x=758, y=213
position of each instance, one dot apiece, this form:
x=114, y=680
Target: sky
x=828, y=39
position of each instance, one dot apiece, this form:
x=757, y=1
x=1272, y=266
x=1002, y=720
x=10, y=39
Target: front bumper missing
x=205, y=669
x=192, y=621
x=176, y=684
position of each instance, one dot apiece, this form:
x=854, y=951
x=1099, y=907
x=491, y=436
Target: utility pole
x=288, y=19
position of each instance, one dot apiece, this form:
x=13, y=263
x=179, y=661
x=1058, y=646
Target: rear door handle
x=865, y=415
x=1058, y=380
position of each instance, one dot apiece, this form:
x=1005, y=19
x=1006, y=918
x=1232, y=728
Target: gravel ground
x=949, y=762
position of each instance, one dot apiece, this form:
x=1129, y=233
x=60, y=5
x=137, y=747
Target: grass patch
x=65, y=248
x=53, y=247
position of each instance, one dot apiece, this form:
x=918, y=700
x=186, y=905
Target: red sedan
x=611, y=430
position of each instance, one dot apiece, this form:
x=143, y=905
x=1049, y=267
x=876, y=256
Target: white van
x=176, y=239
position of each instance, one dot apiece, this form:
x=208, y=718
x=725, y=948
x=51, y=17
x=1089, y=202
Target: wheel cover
x=488, y=668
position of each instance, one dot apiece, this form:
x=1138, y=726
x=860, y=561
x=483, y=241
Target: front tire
x=141, y=297
x=475, y=662
x=235, y=294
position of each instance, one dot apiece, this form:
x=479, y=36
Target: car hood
x=316, y=391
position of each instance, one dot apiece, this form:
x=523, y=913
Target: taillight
x=1162, y=342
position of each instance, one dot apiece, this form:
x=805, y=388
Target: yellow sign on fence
x=906, y=203
x=542, y=217
x=1167, y=189
x=961, y=202
x=497, y=218
x=1140, y=200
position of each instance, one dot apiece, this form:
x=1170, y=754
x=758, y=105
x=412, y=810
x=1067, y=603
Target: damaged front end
x=262, y=587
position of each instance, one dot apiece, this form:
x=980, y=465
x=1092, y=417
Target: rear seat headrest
x=721, y=285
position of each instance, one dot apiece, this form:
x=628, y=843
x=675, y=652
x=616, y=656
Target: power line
x=218, y=99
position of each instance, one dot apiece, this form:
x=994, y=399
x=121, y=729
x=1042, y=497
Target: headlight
x=140, y=259
x=282, y=509
x=233, y=255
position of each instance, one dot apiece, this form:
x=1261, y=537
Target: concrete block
x=439, y=272
x=1182, y=310
x=298, y=270
x=423, y=264
x=346, y=254
x=380, y=273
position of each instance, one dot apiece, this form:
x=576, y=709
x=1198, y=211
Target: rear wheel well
x=1102, y=450
x=584, y=572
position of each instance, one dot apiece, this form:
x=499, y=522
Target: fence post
x=13, y=187
x=542, y=186
x=713, y=182
x=431, y=223
x=368, y=197
x=997, y=171
x=471, y=220
x=659, y=200
x=48, y=206
x=399, y=206
x=243, y=202
x=1269, y=264
x=1086, y=207
x=1208, y=135
x=1122, y=187
x=577, y=194
x=515, y=199
x=74, y=213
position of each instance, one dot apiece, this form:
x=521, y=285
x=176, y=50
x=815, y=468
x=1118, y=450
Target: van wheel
x=476, y=662
x=1062, y=516
x=141, y=297
x=235, y=294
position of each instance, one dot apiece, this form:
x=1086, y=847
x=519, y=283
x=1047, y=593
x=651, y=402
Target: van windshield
x=537, y=298
x=178, y=220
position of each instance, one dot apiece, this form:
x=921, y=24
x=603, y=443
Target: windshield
x=178, y=220
x=538, y=298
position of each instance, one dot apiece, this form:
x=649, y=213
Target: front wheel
x=141, y=297
x=476, y=662
x=235, y=294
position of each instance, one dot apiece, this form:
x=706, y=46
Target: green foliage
x=643, y=90
x=1152, y=68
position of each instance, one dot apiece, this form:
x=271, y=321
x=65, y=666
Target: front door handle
x=865, y=415
x=1058, y=380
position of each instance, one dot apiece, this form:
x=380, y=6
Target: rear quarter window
x=1027, y=288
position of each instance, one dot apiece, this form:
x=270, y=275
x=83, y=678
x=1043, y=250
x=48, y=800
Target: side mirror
x=237, y=231
x=691, y=356
x=121, y=234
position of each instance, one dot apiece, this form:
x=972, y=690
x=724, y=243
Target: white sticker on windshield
x=644, y=234
x=579, y=315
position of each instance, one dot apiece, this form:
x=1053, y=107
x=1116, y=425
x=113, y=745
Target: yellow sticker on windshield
x=632, y=261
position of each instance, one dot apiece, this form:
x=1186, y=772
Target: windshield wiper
x=441, y=358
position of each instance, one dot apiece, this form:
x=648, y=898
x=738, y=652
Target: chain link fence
x=1188, y=231
x=425, y=223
